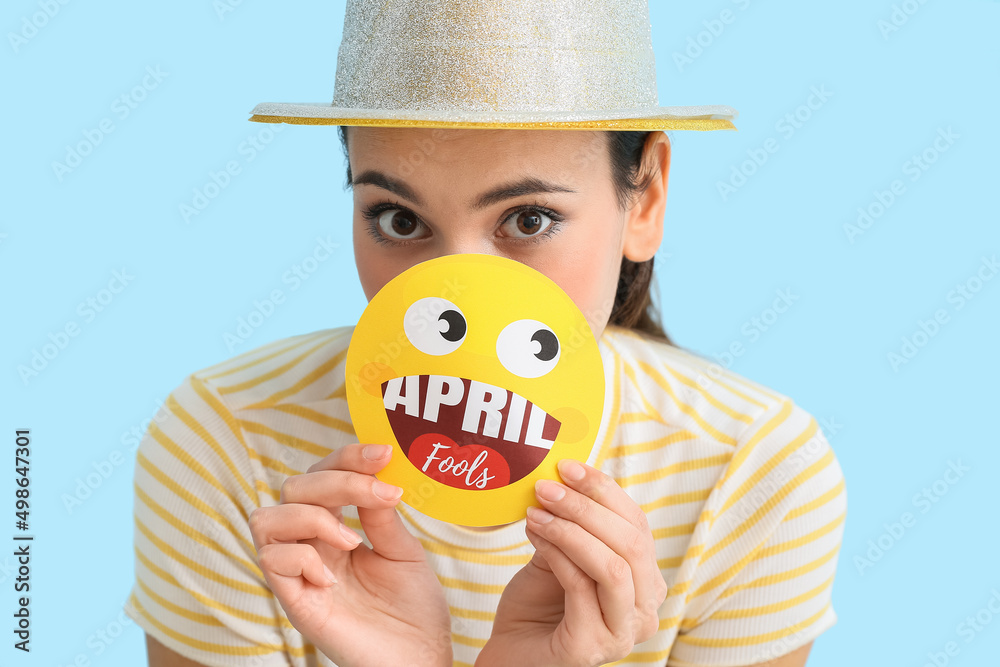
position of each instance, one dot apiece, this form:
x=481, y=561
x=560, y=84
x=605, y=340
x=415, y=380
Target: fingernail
x=386, y=491
x=329, y=574
x=549, y=490
x=571, y=470
x=350, y=535
x=539, y=515
x=375, y=452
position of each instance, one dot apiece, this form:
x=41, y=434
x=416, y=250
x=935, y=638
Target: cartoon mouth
x=465, y=433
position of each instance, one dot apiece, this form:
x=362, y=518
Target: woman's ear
x=644, y=222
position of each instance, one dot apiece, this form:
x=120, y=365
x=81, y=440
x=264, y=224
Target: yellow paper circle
x=474, y=367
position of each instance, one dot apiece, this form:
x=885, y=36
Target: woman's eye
x=526, y=223
x=396, y=224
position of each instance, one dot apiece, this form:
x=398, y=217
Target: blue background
x=894, y=427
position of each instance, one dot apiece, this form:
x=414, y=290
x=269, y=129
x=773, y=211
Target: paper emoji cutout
x=482, y=374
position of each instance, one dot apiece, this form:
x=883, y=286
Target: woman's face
x=542, y=197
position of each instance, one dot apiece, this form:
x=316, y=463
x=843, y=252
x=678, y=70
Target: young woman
x=705, y=531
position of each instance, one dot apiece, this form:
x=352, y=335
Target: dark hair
x=635, y=302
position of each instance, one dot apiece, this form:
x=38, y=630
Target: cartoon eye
x=434, y=326
x=528, y=348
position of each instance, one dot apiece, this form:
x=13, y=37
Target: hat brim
x=715, y=117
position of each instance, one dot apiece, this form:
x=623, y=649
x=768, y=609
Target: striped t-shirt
x=745, y=500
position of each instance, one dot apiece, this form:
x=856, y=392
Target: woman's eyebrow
x=526, y=186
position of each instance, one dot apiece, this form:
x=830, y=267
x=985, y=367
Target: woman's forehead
x=405, y=138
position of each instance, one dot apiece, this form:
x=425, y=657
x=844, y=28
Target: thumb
x=389, y=537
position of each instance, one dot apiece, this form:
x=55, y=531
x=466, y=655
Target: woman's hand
x=386, y=606
x=592, y=589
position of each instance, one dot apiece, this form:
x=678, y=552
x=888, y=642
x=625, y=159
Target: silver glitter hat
x=519, y=64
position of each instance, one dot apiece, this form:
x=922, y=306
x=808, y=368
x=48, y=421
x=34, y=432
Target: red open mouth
x=465, y=433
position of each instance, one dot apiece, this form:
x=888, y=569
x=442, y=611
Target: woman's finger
x=388, y=536
x=356, y=457
x=284, y=565
x=595, y=501
x=338, y=488
x=583, y=609
x=291, y=522
x=610, y=572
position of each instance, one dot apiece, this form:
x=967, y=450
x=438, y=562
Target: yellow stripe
x=764, y=509
x=307, y=446
x=781, y=547
x=319, y=372
x=190, y=498
x=776, y=607
x=633, y=417
x=679, y=588
x=199, y=568
x=195, y=535
x=315, y=416
x=667, y=623
x=676, y=499
x=644, y=656
x=207, y=601
x=274, y=464
x=467, y=641
x=404, y=512
x=685, y=408
x=673, y=531
x=818, y=502
x=480, y=557
x=472, y=614
x=262, y=487
x=203, y=433
x=204, y=619
x=729, y=642
x=271, y=374
x=651, y=411
x=666, y=471
x=339, y=392
x=743, y=451
x=628, y=449
x=209, y=647
x=704, y=367
x=692, y=551
x=194, y=465
x=645, y=124
x=461, y=584
x=303, y=340
x=779, y=577
x=616, y=401
x=683, y=379
x=769, y=465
